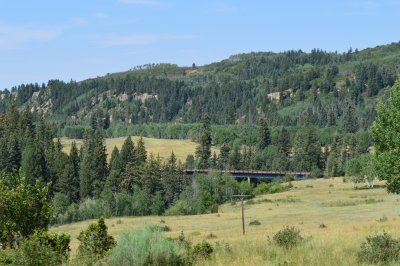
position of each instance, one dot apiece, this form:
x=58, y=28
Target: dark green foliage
x=24, y=208
x=148, y=247
x=95, y=240
x=33, y=164
x=203, y=151
x=380, y=249
x=141, y=153
x=203, y=250
x=264, y=134
x=254, y=222
x=288, y=237
x=93, y=167
x=306, y=150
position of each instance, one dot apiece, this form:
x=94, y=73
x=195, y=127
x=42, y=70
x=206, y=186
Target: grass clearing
x=336, y=242
x=164, y=147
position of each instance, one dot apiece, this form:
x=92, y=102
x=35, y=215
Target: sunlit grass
x=163, y=147
x=308, y=205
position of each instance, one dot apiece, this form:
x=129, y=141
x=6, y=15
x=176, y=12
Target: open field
x=164, y=147
x=348, y=217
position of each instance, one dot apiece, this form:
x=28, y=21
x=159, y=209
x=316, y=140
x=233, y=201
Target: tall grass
x=147, y=246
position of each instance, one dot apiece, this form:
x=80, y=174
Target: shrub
x=42, y=248
x=288, y=237
x=322, y=226
x=255, y=222
x=147, y=247
x=288, y=178
x=202, y=250
x=95, y=240
x=380, y=249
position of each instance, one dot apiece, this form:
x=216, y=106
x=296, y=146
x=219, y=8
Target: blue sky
x=42, y=40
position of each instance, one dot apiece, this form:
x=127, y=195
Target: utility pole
x=241, y=197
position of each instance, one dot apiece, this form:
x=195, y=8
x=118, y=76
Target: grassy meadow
x=332, y=217
x=164, y=147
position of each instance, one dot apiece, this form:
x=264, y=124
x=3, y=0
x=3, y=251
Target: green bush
x=202, y=250
x=288, y=178
x=95, y=240
x=271, y=188
x=42, y=248
x=147, y=246
x=255, y=222
x=380, y=249
x=288, y=237
x=7, y=256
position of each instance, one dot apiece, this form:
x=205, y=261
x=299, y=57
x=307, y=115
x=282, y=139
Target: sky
x=79, y=39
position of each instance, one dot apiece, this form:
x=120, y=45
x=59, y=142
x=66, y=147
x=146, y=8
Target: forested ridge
x=289, y=89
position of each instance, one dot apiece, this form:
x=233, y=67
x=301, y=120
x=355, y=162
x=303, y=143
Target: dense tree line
x=84, y=184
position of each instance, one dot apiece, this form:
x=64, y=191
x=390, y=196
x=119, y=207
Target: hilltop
x=289, y=88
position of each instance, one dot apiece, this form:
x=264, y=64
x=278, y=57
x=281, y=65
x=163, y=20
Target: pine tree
x=127, y=153
x=306, y=150
x=141, y=153
x=170, y=180
x=350, y=121
x=203, y=151
x=68, y=182
x=33, y=164
x=113, y=181
x=152, y=176
x=264, y=136
x=93, y=168
x=100, y=166
x=283, y=142
x=224, y=156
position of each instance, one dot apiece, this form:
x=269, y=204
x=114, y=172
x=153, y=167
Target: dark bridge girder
x=249, y=174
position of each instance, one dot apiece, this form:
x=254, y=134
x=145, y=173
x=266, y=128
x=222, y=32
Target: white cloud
x=12, y=37
x=143, y=39
x=155, y=3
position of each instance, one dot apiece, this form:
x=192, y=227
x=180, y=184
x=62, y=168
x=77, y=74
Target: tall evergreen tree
x=306, y=150
x=34, y=164
x=264, y=135
x=203, y=150
x=127, y=153
x=141, y=153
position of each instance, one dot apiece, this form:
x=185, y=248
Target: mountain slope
x=288, y=88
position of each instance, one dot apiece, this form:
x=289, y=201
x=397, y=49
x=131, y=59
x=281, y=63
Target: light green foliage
x=386, y=134
x=380, y=249
x=95, y=240
x=147, y=246
x=288, y=237
x=361, y=169
x=270, y=188
x=43, y=248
